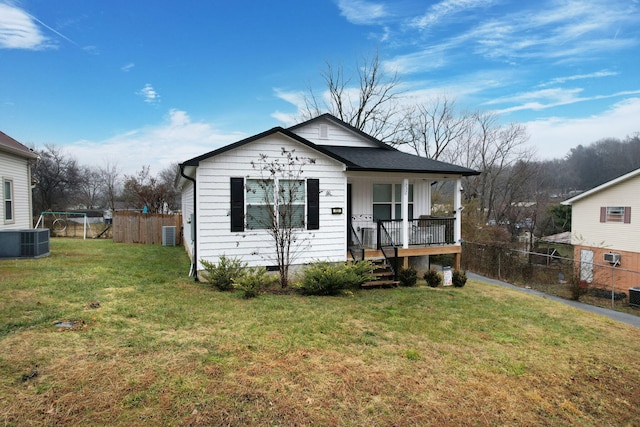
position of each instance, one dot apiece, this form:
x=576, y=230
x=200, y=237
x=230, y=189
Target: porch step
x=381, y=284
x=383, y=276
x=382, y=273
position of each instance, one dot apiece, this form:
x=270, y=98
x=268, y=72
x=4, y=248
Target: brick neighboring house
x=605, y=232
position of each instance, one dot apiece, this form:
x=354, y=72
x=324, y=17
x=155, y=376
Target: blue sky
x=153, y=82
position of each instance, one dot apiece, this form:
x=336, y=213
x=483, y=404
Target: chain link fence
x=551, y=273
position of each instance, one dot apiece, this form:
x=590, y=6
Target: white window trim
x=11, y=201
x=615, y=214
x=395, y=202
x=276, y=186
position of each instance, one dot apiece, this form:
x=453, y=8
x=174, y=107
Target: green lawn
x=150, y=346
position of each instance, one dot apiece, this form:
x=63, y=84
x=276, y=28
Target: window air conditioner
x=612, y=258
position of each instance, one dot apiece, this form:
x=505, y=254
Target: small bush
x=578, y=288
x=459, y=278
x=222, y=274
x=254, y=281
x=408, y=276
x=433, y=278
x=362, y=269
x=326, y=278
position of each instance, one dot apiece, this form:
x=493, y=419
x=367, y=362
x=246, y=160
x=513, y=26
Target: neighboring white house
x=355, y=197
x=15, y=172
x=605, y=232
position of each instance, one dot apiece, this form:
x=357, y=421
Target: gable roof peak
x=610, y=183
x=345, y=125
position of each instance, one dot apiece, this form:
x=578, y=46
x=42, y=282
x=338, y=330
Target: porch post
x=405, y=213
x=457, y=206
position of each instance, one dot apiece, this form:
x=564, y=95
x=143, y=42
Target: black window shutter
x=237, y=204
x=313, y=204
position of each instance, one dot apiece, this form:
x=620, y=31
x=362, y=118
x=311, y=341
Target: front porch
x=391, y=217
x=398, y=240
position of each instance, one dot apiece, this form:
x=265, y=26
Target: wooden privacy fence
x=136, y=227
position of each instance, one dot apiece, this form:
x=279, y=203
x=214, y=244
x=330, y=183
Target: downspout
x=194, y=265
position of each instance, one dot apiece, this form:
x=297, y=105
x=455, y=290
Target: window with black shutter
x=313, y=204
x=237, y=204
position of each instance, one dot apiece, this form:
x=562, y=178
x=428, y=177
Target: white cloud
x=19, y=31
x=548, y=98
x=418, y=62
x=295, y=98
x=554, y=137
x=92, y=50
x=561, y=31
x=128, y=67
x=287, y=119
x=552, y=97
x=597, y=74
x=149, y=94
x=446, y=8
x=361, y=12
x=175, y=140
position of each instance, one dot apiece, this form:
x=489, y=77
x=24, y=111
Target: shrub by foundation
x=433, y=278
x=254, y=281
x=408, y=276
x=222, y=274
x=326, y=278
x=459, y=278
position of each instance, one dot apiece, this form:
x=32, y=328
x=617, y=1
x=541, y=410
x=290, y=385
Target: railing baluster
x=422, y=231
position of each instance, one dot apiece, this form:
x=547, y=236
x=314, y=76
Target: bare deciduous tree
x=280, y=207
x=90, y=189
x=371, y=105
x=110, y=178
x=143, y=189
x=490, y=148
x=56, y=175
x=429, y=129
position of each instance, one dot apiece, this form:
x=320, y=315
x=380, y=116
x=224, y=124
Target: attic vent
x=324, y=131
x=169, y=235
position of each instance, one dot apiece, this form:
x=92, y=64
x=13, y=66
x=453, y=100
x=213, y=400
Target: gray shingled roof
x=392, y=160
x=12, y=146
x=381, y=157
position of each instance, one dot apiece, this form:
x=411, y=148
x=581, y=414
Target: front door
x=586, y=265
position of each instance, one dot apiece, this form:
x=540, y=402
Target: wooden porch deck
x=455, y=250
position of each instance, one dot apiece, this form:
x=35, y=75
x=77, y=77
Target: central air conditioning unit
x=612, y=258
x=29, y=243
x=169, y=235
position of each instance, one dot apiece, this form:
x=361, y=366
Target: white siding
x=336, y=135
x=187, y=210
x=256, y=246
x=16, y=169
x=586, y=228
x=362, y=191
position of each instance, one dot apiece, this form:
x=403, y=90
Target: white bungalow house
x=605, y=232
x=357, y=198
x=15, y=172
